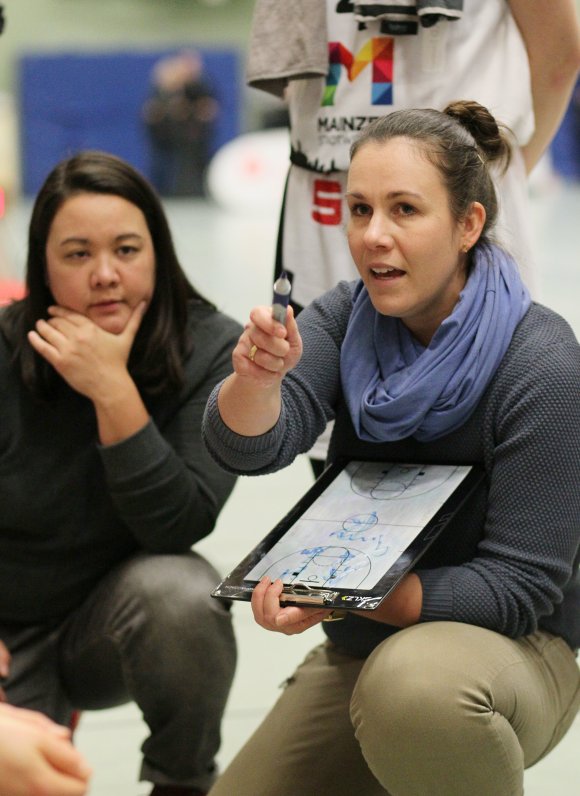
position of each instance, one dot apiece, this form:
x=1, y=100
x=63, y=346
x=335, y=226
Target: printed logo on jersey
x=327, y=202
x=377, y=52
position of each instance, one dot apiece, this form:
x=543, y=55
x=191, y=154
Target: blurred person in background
x=339, y=64
x=179, y=117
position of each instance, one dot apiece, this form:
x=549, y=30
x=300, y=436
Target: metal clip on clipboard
x=305, y=594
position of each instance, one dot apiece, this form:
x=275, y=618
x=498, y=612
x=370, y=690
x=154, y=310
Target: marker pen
x=282, y=288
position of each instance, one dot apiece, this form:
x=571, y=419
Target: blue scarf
x=395, y=387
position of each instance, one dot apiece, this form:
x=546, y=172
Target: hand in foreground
x=267, y=349
x=37, y=756
x=87, y=357
x=269, y=614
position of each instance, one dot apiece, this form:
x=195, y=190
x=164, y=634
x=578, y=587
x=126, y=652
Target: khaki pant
x=439, y=709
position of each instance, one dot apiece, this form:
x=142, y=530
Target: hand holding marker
x=280, y=301
x=282, y=288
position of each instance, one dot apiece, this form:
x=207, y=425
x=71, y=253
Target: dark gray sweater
x=71, y=509
x=510, y=560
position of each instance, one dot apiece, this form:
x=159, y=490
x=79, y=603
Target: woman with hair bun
x=466, y=673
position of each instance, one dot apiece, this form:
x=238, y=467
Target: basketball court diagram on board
x=360, y=525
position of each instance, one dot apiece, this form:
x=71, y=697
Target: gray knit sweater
x=509, y=561
x=71, y=509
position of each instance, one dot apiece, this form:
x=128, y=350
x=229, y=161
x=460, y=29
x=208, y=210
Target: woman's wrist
x=120, y=411
x=402, y=607
x=249, y=409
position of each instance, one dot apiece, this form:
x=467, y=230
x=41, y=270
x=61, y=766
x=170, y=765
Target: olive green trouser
x=438, y=709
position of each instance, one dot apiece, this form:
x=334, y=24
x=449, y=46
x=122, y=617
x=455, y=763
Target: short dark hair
x=156, y=360
x=460, y=142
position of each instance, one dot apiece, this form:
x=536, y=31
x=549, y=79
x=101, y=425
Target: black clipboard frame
x=236, y=587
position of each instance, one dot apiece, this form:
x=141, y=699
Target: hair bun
x=491, y=138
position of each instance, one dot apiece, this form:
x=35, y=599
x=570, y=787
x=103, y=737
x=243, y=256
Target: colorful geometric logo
x=378, y=52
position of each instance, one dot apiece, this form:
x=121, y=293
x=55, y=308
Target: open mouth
x=387, y=274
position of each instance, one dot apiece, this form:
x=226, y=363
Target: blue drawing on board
x=353, y=527
x=358, y=528
x=321, y=566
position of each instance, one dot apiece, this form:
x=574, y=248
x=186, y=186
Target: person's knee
x=173, y=595
x=425, y=699
x=416, y=684
x=184, y=634
x=172, y=585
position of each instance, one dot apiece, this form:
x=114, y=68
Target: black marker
x=282, y=288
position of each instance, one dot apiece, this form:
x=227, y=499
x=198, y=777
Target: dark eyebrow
x=83, y=241
x=126, y=235
x=390, y=195
x=396, y=194
x=118, y=239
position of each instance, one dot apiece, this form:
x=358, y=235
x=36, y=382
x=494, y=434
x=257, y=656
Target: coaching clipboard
x=356, y=532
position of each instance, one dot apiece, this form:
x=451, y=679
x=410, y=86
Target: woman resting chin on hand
x=105, y=368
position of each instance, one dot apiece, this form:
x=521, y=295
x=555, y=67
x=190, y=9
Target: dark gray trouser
x=148, y=633
x=438, y=709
